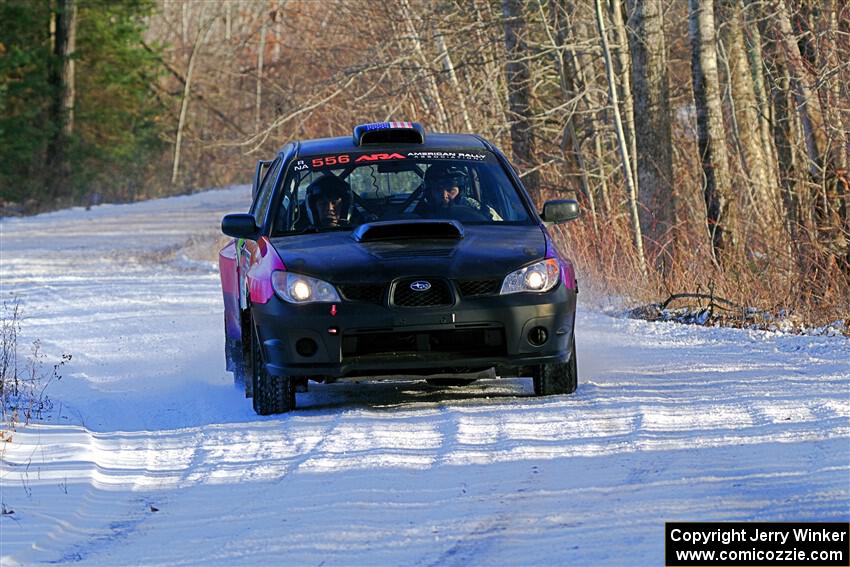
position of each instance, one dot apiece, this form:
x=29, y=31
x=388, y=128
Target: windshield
x=343, y=191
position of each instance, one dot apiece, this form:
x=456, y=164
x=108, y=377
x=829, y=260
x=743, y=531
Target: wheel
x=272, y=394
x=449, y=381
x=557, y=377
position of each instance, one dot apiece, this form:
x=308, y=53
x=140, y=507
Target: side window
x=264, y=195
x=289, y=210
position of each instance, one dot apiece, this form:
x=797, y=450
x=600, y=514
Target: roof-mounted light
x=389, y=133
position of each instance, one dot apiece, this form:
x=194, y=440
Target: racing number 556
x=330, y=160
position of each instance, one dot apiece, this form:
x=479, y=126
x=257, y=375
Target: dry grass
x=769, y=281
x=24, y=379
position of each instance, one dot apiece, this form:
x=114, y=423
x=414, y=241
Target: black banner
x=762, y=544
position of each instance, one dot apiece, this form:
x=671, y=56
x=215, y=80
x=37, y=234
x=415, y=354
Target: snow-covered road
x=151, y=456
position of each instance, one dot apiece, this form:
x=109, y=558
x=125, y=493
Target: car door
x=245, y=249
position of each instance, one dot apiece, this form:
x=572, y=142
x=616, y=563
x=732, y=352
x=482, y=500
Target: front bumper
x=372, y=340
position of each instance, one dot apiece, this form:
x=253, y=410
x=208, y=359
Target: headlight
x=539, y=277
x=296, y=288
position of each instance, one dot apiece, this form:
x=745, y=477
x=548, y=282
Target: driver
x=447, y=186
x=328, y=201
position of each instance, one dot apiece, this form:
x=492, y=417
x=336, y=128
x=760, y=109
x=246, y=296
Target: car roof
x=433, y=141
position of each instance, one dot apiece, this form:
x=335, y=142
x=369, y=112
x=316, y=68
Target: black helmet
x=328, y=187
x=441, y=174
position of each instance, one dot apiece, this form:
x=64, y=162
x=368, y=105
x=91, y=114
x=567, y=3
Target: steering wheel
x=398, y=210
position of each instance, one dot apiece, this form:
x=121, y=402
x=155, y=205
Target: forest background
x=707, y=141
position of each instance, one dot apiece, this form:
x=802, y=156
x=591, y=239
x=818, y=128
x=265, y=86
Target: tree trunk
x=185, y=10
x=842, y=143
x=711, y=135
x=835, y=195
x=261, y=51
x=800, y=87
x=63, y=81
x=519, y=92
x=492, y=72
x=228, y=20
x=581, y=62
x=653, y=130
x=435, y=101
x=69, y=27
x=621, y=138
x=755, y=162
x=757, y=63
x=822, y=165
x=625, y=65
x=566, y=75
x=790, y=172
x=277, y=19
x=200, y=38
x=450, y=69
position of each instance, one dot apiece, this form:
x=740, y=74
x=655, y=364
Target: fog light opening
x=538, y=336
x=306, y=347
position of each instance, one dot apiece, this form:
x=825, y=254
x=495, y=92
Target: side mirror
x=240, y=225
x=560, y=210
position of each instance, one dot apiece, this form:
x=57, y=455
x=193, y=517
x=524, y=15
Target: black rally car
x=392, y=253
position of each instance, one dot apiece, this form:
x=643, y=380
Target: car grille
x=438, y=294
x=452, y=343
x=365, y=293
x=471, y=288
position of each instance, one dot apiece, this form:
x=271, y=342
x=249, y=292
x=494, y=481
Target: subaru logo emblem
x=420, y=286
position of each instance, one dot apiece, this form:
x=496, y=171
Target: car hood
x=484, y=252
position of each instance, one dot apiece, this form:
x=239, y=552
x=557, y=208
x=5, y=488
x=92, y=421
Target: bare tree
x=435, y=100
x=799, y=84
x=556, y=30
x=582, y=43
x=460, y=95
x=779, y=87
x=717, y=184
x=261, y=52
x=532, y=74
x=587, y=127
x=519, y=90
x=753, y=39
x=755, y=159
x=624, y=68
x=653, y=129
x=204, y=27
x=621, y=138
x=818, y=120
x=64, y=83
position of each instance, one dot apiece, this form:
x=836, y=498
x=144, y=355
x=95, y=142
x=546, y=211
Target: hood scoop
x=407, y=252
x=408, y=230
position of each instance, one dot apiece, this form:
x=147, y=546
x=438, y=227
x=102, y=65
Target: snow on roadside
x=151, y=455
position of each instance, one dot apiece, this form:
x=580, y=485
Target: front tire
x=558, y=377
x=272, y=394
